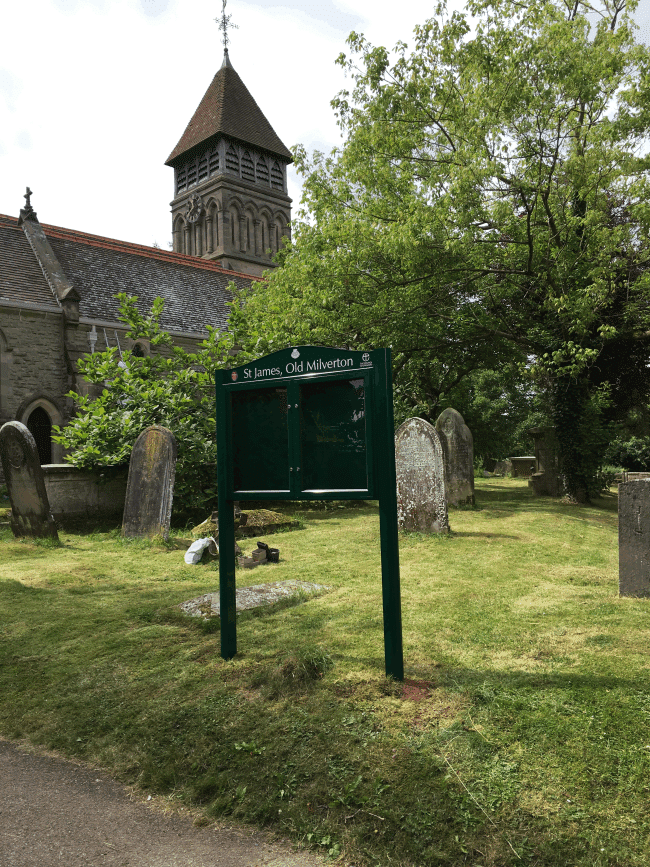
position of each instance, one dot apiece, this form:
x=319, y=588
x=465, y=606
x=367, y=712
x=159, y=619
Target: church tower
x=230, y=180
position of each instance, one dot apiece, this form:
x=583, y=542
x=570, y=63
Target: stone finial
x=28, y=213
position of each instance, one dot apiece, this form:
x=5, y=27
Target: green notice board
x=307, y=423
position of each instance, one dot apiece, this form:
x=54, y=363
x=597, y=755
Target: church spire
x=230, y=181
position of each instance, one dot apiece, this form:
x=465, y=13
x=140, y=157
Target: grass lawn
x=520, y=737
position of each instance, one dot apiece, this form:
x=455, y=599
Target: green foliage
x=172, y=387
x=633, y=454
x=606, y=477
x=488, y=208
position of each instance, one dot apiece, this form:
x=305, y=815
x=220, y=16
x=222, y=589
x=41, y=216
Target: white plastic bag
x=195, y=551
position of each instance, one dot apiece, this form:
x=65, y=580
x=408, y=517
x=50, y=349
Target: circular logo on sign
x=233, y=376
x=295, y=354
x=15, y=454
x=365, y=356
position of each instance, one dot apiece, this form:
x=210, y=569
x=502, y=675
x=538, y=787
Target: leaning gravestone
x=420, y=465
x=21, y=465
x=458, y=445
x=634, y=538
x=150, y=485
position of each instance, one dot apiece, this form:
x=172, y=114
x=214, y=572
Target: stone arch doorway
x=39, y=425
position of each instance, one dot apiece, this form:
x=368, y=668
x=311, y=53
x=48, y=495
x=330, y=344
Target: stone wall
x=33, y=367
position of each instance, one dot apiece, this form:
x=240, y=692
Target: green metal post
x=227, y=583
x=388, y=531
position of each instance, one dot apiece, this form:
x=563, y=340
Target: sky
x=95, y=94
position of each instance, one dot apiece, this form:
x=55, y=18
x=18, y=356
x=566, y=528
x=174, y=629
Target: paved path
x=55, y=813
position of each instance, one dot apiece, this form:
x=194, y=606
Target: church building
x=230, y=212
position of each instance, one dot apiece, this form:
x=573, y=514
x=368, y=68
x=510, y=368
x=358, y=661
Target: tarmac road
x=56, y=813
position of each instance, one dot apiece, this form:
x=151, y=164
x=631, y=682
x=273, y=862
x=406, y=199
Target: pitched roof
x=194, y=290
x=21, y=277
x=228, y=109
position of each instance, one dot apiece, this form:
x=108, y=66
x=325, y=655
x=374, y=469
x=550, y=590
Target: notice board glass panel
x=260, y=440
x=333, y=435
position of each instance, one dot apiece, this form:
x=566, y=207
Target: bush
x=171, y=387
x=605, y=478
x=632, y=454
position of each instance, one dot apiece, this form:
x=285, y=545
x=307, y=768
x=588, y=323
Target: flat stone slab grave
x=252, y=597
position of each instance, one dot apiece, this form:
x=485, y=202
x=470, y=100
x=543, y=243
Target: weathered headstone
x=458, y=445
x=420, y=465
x=502, y=468
x=523, y=466
x=546, y=480
x=21, y=465
x=150, y=486
x=634, y=538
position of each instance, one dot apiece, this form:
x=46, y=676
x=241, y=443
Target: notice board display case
x=309, y=423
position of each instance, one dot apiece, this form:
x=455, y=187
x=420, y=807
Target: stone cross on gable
x=224, y=24
x=28, y=213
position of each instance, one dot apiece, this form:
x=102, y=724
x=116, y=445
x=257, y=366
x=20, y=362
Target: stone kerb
x=30, y=508
x=150, y=484
x=458, y=447
x=634, y=538
x=75, y=493
x=420, y=467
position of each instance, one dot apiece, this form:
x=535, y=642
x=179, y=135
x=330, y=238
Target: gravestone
x=546, y=480
x=458, y=446
x=21, y=465
x=150, y=485
x=634, y=538
x=523, y=466
x=420, y=465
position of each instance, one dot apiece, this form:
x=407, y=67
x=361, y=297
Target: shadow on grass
x=473, y=534
x=485, y=685
x=522, y=498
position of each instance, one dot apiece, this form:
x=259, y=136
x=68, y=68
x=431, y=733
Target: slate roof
x=228, y=109
x=195, y=290
x=21, y=278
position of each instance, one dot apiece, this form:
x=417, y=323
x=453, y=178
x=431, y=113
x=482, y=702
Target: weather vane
x=224, y=24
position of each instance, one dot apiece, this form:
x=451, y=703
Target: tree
x=489, y=206
x=170, y=387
